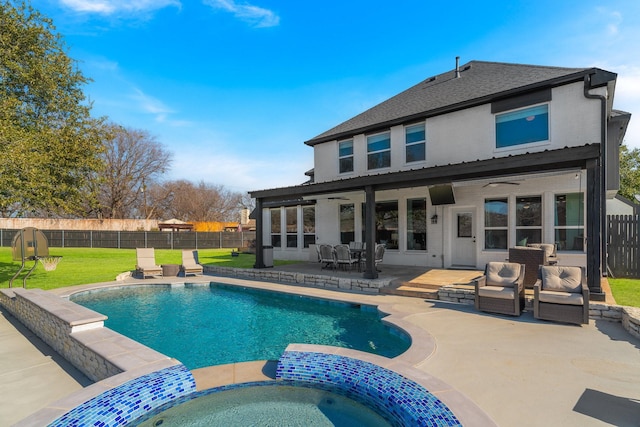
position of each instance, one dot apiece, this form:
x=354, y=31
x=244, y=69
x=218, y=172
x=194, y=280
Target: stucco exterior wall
x=469, y=135
x=440, y=249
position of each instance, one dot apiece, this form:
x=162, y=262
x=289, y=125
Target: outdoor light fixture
x=434, y=219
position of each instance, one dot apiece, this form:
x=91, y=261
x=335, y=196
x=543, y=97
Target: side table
x=169, y=270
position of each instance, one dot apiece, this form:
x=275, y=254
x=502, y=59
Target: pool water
x=217, y=324
x=281, y=406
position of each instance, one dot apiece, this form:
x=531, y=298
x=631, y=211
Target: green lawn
x=626, y=291
x=92, y=265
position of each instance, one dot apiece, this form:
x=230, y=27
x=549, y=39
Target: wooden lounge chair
x=190, y=264
x=501, y=289
x=561, y=294
x=146, y=263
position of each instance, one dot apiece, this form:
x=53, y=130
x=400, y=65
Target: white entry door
x=464, y=239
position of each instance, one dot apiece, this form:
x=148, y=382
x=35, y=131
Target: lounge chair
x=561, y=294
x=190, y=264
x=146, y=263
x=501, y=289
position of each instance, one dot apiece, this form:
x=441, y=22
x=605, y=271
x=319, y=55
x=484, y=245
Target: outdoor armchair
x=190, y=263
x=501, y=289
x=146, y=263
x=561, y=294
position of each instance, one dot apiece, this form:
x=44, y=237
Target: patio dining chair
x=327, y=257
x=343, y=257
x=378, y=255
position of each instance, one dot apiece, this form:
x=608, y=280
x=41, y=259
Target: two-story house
x=455, y=170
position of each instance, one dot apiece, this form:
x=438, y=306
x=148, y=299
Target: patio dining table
x=357, y=253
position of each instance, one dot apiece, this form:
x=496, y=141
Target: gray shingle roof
x=479, y=82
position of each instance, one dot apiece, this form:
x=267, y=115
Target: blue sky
x=234, y=88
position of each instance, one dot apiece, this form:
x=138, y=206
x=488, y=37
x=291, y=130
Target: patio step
x=411, y=291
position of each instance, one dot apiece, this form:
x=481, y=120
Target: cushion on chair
x=502, y=292
x=556, y=297
x=503, y=274
x=561, y=279
x=549, y=248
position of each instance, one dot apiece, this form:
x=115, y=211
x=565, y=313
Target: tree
x=134, y=161
x=629, y=172
x=49, y=144
x=195, y=202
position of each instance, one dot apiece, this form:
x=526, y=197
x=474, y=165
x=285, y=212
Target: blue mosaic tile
x=121, y=405
x=402, y=401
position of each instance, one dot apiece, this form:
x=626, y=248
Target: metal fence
x=140, y=239
x=623, y=254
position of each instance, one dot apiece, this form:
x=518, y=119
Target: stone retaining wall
x=77, y=333
x=628, y=316
x=357, y=284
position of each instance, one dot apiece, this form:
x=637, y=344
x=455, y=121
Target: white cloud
x=627, y=98
x=254, y=15
x=150, y=105
x=108, y=7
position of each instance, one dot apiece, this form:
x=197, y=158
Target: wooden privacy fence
x=140, y=239
x=623, y=253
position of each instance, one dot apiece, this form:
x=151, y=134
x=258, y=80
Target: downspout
x=594, y=282
x=259, y=239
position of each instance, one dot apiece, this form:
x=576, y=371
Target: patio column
x=370, y=271
x=595, y=210
x=259, y=240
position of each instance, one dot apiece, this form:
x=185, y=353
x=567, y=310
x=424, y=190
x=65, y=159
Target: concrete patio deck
x=520, y=371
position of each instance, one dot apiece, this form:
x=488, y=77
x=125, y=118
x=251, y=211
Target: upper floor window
x=415, y=143
x=522, y=126
x=345, y=156
x=379, y=151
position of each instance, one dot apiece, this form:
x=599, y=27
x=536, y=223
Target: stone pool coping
x=136, y=360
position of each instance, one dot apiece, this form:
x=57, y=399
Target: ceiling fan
x=496, y=183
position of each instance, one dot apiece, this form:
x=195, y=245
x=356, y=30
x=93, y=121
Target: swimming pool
x=214, y=324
